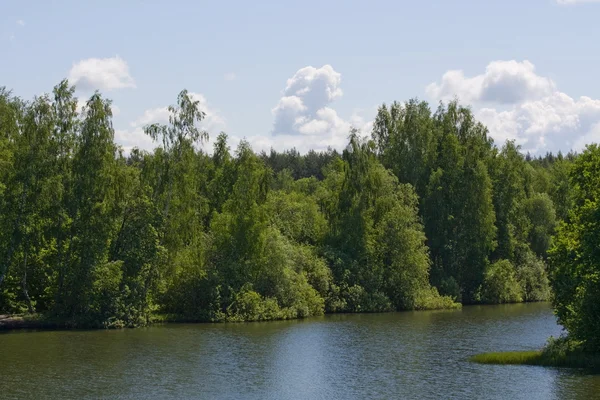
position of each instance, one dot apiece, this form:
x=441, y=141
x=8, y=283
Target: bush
x=106, y=304
x=450, y=287
x=335, y=302
x=500, y=284
x=305, y=260
x=533, y=279
x=299, y=297
x=430, y=299
x=356, y=298
x=248, y=305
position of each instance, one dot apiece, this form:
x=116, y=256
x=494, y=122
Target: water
x=416, y=355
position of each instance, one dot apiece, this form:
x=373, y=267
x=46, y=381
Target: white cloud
x=517, y=104
x=303, y=109
x=80, y=105
x=213, y=121
x=130, y=138
x=230, y=76
x=593, y=136
x=569, y=2
x=101, y=73
x=20, y=22
x=503, y=82
x=151, y=116
x=303, y=118
x=556, y=122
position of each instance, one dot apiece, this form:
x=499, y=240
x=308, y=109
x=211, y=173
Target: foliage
x=500, y=284
x=427, y=213
x=575, y=260
x=539, y=210
x=532, y=277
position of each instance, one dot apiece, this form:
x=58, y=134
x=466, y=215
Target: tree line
x=425, y=213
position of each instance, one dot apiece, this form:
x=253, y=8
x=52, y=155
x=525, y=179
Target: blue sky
x=300, y=74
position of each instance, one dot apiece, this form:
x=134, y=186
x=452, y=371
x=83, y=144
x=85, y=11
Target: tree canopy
x=426, y=212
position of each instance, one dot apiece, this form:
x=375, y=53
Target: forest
x=424, y=212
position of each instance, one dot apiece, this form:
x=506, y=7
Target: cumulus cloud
x=551, y=123
x=135, y=136
x=502, y=82
x=303, y=117
x=213, y=120
x=302, y=109
x=130, y=138
x=151, y=116
x=101, y=73
x=517, y=104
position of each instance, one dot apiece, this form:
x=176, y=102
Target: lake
x=410, y=355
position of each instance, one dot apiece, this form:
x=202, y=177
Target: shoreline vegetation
x=39, y=322
x=561, y=352
x=574, y=277
x=23, y=322
x=424, y=212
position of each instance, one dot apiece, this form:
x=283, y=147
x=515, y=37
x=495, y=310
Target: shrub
x=430, y=299
x=500, y=284
x=533, y=279
x=248, y=305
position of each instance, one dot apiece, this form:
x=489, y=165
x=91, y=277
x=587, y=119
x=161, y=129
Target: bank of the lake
x=27, y=321
x=410, y=355
x=554, y=354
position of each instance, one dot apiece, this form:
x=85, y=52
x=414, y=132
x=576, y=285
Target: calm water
x=383, y=356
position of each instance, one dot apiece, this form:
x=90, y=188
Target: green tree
x=509, y=192
x=92, y=212
x=458, y=212
x=176, y=183
x=539, y=210
x=11, y=110
x=62, y=150
x=574, y=257
x=377, y=251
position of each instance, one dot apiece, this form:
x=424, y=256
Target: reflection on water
x=384, y=356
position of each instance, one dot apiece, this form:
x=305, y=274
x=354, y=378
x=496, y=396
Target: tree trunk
x=61, y=267
x=24, y=286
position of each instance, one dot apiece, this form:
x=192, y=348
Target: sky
x=284, y=74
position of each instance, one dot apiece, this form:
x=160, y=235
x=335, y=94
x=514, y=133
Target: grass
x=557, y=353
x=510, y=358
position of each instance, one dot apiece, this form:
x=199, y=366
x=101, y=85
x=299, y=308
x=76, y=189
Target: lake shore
x=27, y=321
x=557, y=353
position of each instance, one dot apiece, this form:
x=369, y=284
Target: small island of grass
x=557, y=353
